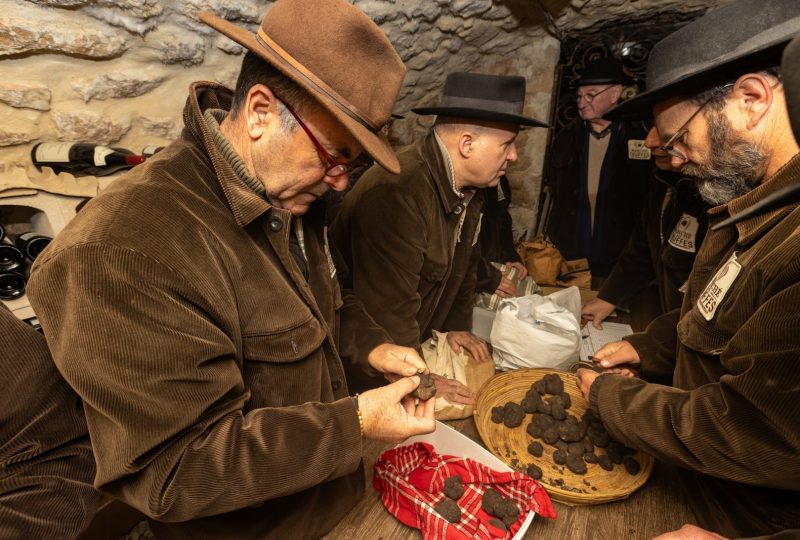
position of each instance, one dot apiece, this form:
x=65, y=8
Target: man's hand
x=618, y=353
x=522, y=271
x=689, y=532
x=506, y=288
x=585, y=379
x=452, y=390
x=596, y=310
x=395, y=361
x=474, y=345
x=391, y=415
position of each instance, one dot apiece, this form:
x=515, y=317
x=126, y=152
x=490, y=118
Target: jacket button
x=275, y=224
x=458, y=209
x=336, y=385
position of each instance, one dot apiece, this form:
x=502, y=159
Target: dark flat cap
x=493, y=98
x=722, y=44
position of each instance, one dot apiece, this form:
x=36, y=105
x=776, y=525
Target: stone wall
x=117, y=71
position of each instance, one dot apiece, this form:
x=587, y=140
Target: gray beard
x=735, y=165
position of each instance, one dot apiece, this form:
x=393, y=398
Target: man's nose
x=512, y=153
x=337, y=183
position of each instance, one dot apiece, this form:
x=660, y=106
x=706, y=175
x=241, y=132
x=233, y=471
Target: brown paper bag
x=575, y=273
x=442, y=360
x=542, y=259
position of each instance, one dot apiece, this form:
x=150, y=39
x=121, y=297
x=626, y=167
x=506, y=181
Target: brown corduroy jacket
x=213, y=373
x=46, y=463
x=411, y=245
x=731, y=413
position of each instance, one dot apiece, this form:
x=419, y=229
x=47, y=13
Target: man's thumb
x=405, y=386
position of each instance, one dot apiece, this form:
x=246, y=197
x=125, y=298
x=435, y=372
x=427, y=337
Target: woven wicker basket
x=511, y=445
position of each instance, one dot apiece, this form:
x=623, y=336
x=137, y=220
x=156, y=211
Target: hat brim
x=479, y=114
x=640, y=106
x=376, y=144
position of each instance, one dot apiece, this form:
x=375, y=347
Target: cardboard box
x=445, y=440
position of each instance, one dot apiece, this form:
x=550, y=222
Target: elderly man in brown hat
x=598, y=173
x=410, y=240
x=729, y=418
x=194, y=307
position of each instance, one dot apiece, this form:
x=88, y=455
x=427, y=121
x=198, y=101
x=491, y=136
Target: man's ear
x=466, y=144
x=260, y=104
x=755, y=97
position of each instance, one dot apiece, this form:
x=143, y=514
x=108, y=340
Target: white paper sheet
x=593, y=339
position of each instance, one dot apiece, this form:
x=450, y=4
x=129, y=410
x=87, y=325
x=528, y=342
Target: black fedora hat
x=492, y=98
x=603, y=71
x=790, y=67
x=720, y=45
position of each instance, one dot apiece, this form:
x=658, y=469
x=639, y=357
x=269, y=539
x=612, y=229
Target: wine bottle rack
x=38, y=211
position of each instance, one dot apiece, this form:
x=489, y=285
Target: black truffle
x=497, y=414
x=535, y=449
x=575, y=464
x=513, y=415
x=566, y=400
x=605, y=462
x=508, y=511
x=490, y=500
x=553, y=384
x=530, y=405
x=614, y=451
x=540, y=386
x=631, y=465
x=449, y=510
x=590, y=457
x=560, y=457
x=550, y=435
x=534, y=471
x=453, y=488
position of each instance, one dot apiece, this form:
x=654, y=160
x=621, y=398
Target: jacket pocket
x=286, y=345
x=702, y=336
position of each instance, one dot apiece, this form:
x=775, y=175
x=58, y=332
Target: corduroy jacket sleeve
x=726, y=428
x=153, y=354
x=657, y=347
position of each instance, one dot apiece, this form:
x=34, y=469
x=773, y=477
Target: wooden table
x=657, y=507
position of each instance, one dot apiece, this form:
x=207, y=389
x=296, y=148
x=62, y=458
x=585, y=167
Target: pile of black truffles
x=575, y=440
x=505, y=510
x=447, y=507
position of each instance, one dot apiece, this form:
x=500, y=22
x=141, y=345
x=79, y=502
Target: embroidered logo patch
x=637, y=149
x=684, y=234
x=718, y=287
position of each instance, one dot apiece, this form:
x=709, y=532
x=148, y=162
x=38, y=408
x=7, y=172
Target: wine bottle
x=12, y=285
x=150, y=150
x=11, y=258
x=31, y=244
x=83, y=158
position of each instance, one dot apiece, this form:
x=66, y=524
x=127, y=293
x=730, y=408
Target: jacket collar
x=756, y=225
x=245, y=204
x=441, y=175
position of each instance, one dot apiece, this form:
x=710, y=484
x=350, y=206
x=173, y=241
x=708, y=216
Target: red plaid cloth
x=411, y=479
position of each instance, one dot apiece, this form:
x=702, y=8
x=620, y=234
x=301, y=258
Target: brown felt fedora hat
x=719, y=46
x=493, y=98
x=336, y=53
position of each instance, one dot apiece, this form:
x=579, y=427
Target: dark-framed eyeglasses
x=589, y=97
x=333, y=168
x=669, y=146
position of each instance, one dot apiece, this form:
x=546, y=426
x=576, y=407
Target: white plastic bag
x=537, y=332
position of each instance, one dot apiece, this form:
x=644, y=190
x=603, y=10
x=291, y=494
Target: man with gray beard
x=729, y=419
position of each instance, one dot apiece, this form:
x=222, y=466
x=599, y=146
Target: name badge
x=637, y=150
x=684, y=234
x=718, y=287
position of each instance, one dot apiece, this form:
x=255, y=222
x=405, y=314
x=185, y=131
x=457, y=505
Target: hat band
x=291, y=63
x=491, y=105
